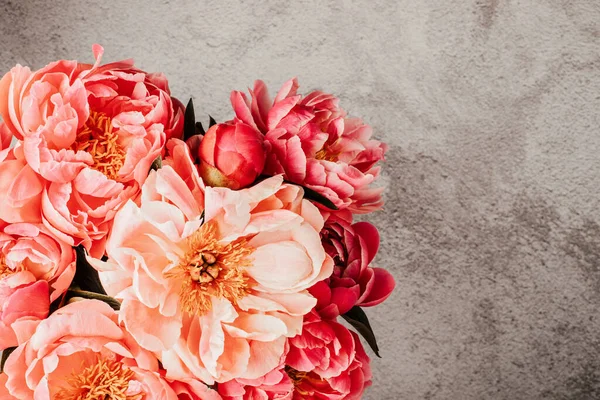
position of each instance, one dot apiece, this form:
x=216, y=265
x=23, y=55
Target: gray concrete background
x=492, y=111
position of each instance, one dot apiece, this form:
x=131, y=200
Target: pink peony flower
x=35, y=269
x=275, y=384
x=312, y=142
x=354, y=282
x=25, y=301
x=81, y=352
x=231, y=155
x=92, y=131
x=218, y=295
x=327, y=361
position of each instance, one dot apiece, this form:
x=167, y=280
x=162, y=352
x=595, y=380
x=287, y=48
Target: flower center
x=300, y=377
x=211, y=269
x=97, y=138
x=296, y=376
x=326, y=154
x=105, y=380
x=5, y=270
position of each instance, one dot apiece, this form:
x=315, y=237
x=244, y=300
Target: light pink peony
x=327, y=361
x=353, y=282
x=217, y=295
x=312, y=142
x=276, y=384
x=93, y=132
x=81, y=352
x=35, y=269
x=232, y=155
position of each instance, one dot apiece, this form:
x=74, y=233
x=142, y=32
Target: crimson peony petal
x=381, y=287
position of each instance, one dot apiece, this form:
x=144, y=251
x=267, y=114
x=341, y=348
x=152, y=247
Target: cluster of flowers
x=142, y=257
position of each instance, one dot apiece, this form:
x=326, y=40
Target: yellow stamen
x=326, y=154
x=6, y=270
x=107, y=379
x=295, y=375
x=298, y=377
x=211, y=269
x=97, y=138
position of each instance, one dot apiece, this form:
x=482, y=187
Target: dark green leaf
x=58, y=303
x=199, y=128
x=189, y=124
x=86, y=277
x=358, y=319
x=211, y=121
x=115, y=304
x=5, y=354
x=319, y=198
x=316, y=196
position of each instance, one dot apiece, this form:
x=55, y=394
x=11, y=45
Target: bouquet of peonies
x=143, y=257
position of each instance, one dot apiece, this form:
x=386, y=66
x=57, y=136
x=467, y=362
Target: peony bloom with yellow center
x=215, y=284
x=92, y=133
x=81, y=352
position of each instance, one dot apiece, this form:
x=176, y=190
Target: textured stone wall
x=492, y=111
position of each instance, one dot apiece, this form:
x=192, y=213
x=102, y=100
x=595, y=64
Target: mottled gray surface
x=491, y=108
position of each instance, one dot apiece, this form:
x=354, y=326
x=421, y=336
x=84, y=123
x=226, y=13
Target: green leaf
x=358, y=319
x=86, y=276
x=115, y=304
x=189, y=121
x=211, y=122
x=199, y=128
x=318, y=197
x=5, y=354
x=58, y=303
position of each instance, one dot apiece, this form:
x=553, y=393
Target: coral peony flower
x=216, y=295
x=353, y=282
x=327, y=361
x=35, y=269
x=180, y=159
x=231, y=155
x=312, y=142
x=92, y=131
x=275, y=384
x=81, y=352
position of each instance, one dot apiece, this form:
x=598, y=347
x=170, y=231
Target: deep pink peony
x=35, y=269
x=353, y=282
x=81, y=352
x=327, y=361
x=93, y=132
x=216, y=282
x=232, y=155
x=312, y=142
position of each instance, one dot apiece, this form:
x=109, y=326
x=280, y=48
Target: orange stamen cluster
x=298, y=377
x=97, y=138
x=107, y=379
x=211, y=269
x=5, y=270
x=326, y=154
